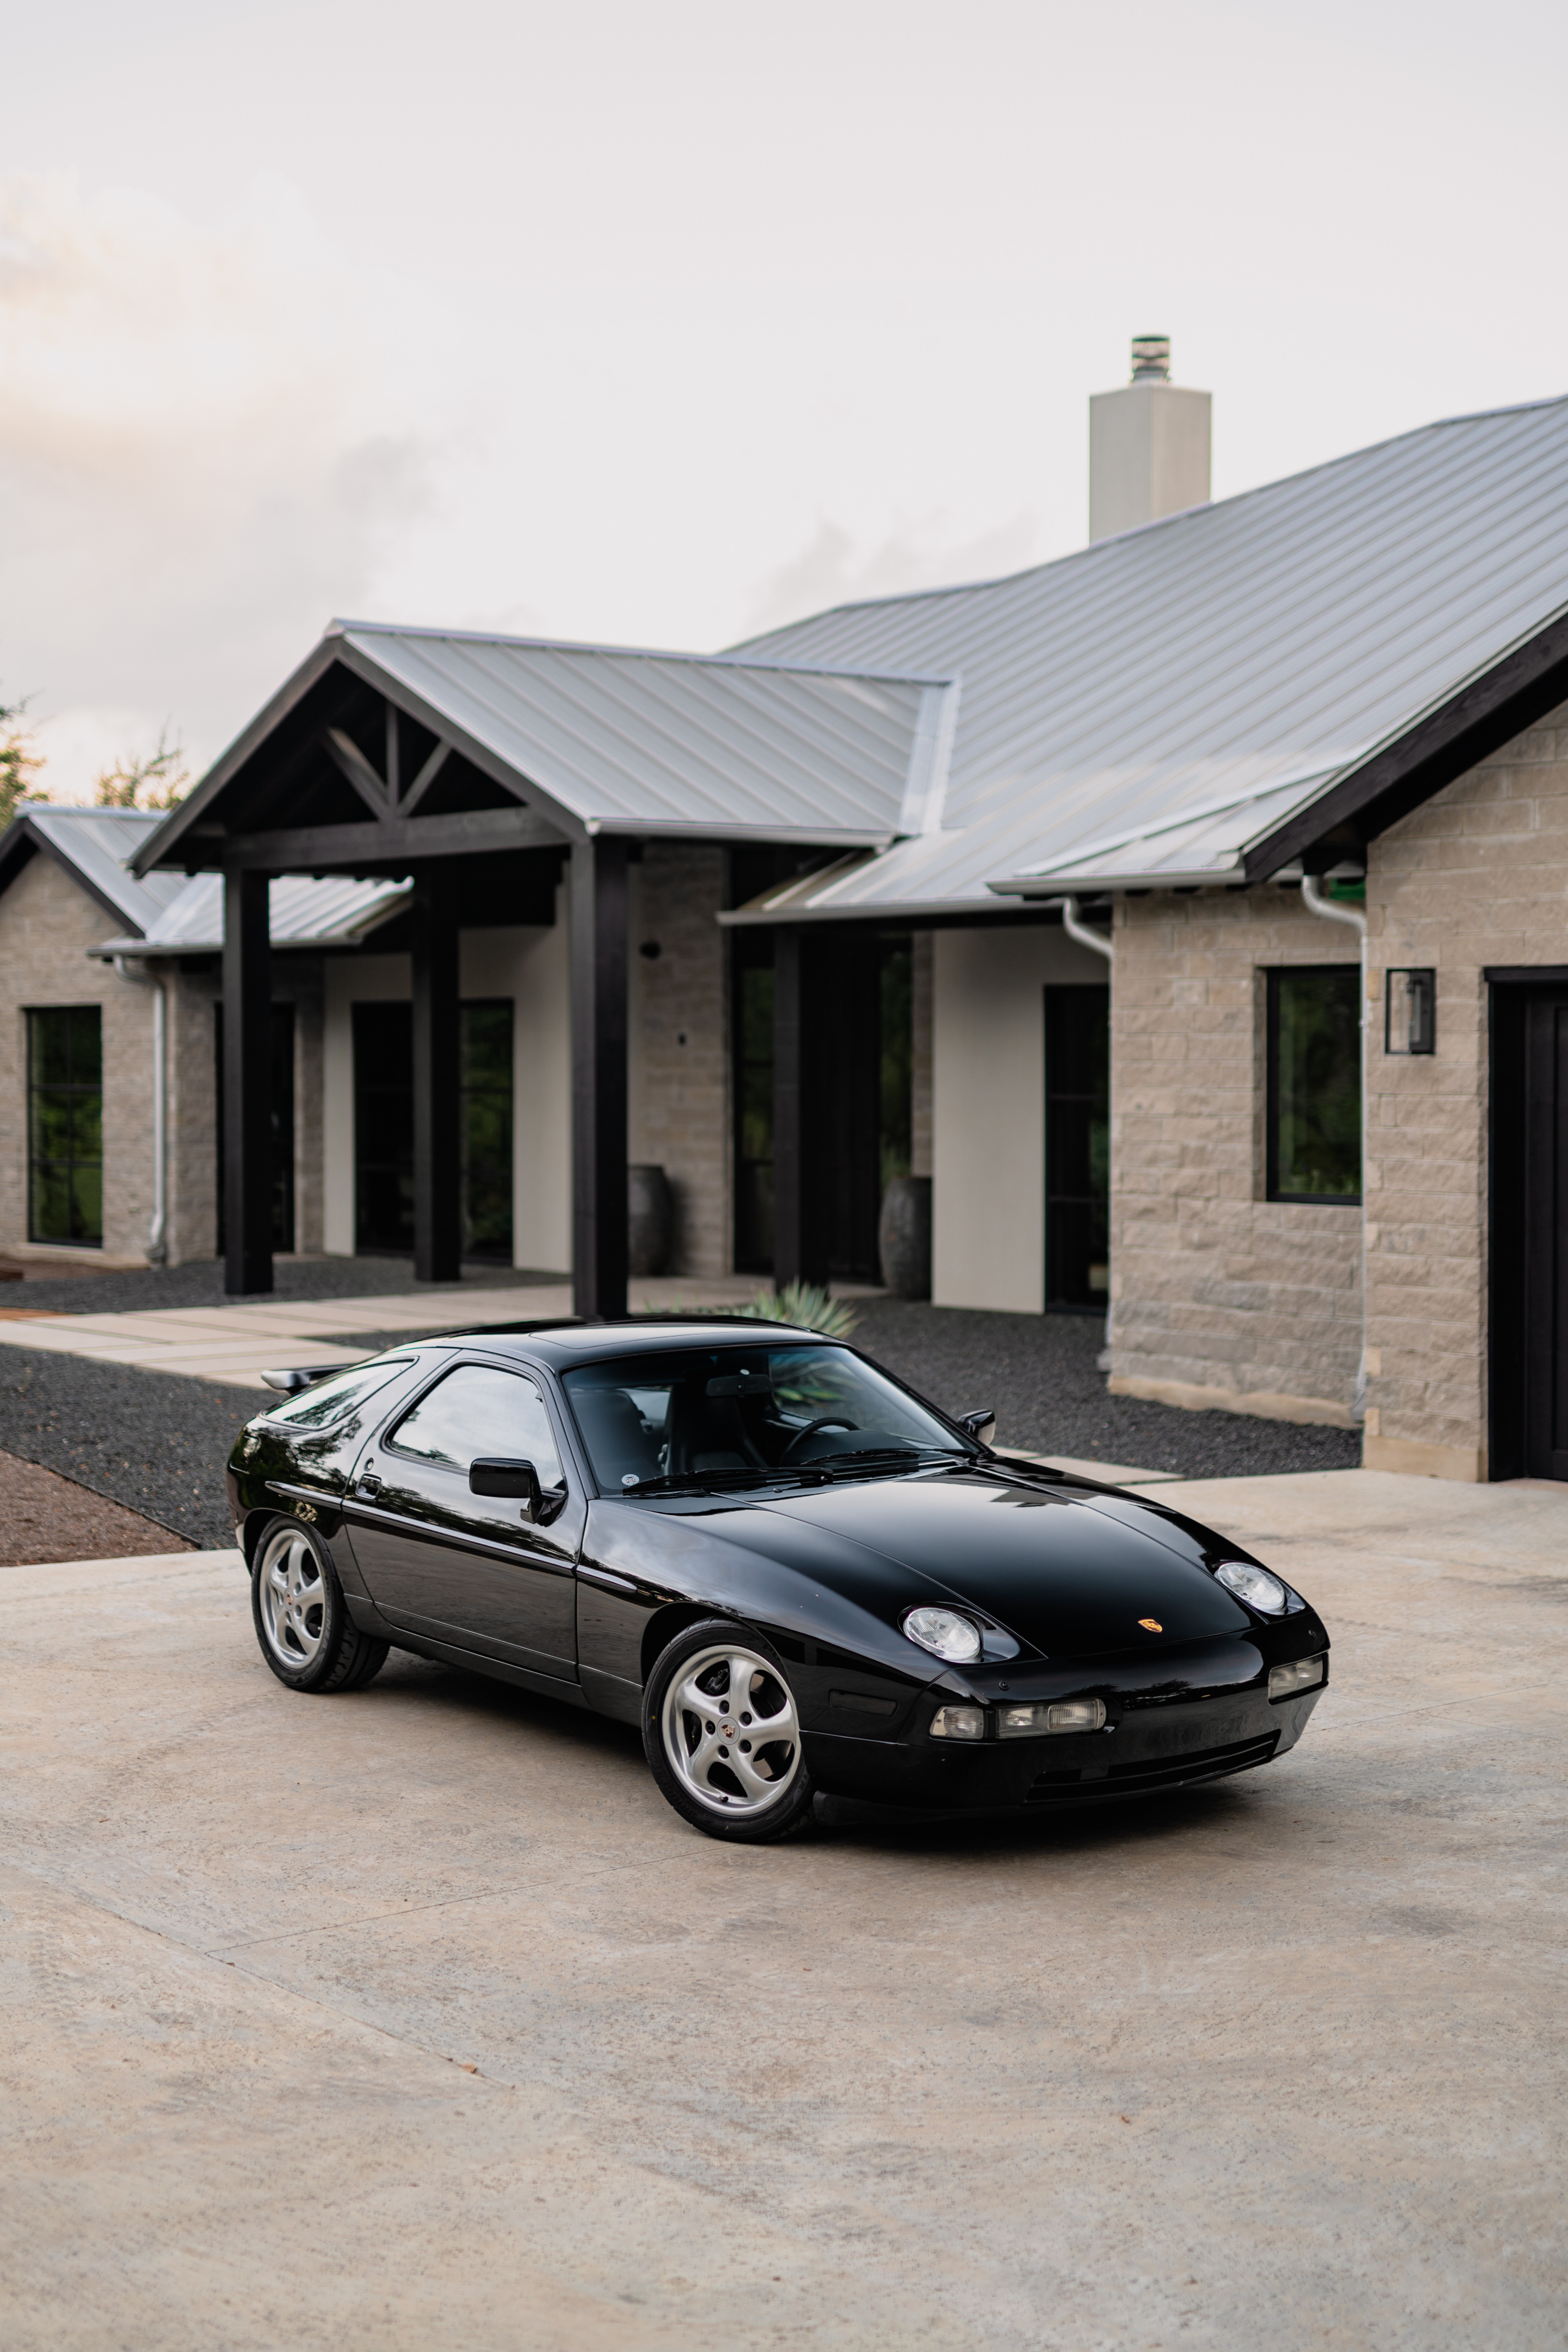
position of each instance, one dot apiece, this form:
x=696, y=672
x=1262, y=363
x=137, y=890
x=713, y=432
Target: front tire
x=302, y=1623
x=722, y=1734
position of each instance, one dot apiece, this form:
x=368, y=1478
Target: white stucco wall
x=530, y=966
x=988, y=1110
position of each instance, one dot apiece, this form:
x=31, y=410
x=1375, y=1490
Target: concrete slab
x=1280, y=2063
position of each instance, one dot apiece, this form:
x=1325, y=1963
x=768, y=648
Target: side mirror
x=981, y=1425
x=512, y=1482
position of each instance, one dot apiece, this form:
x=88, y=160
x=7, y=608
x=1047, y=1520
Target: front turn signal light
x=1062, y=1714
x=1284, y=1681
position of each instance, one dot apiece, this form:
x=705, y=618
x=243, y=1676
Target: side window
x=475, y=1410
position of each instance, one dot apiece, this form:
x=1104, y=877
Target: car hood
x=1066, y=1571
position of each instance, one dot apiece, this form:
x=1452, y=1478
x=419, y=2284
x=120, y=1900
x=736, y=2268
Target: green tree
x=19, y=763
x=161, y=781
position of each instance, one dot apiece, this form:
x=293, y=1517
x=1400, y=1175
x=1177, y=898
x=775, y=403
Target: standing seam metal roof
x=1233, y=657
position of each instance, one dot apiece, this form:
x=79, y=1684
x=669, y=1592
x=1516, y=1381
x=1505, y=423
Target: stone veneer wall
x=47, y=923
x=1477, y=877
x=680, y=1047
x=1219, y=1297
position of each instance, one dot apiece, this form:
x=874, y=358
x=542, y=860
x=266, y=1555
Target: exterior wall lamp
x=1410, y=1011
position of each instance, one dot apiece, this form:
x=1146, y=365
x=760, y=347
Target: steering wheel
x=828, y=1421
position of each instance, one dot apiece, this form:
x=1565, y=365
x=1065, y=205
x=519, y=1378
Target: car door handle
x=369, y=1484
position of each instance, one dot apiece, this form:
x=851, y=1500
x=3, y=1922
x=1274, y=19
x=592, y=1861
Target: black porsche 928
x=788, y=1570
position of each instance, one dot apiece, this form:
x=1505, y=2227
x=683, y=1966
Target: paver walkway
x=236, y=1344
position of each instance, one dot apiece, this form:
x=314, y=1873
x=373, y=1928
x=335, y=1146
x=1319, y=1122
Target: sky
x=663, y=325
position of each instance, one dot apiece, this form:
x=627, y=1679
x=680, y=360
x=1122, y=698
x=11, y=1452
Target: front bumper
x=1139, y=1751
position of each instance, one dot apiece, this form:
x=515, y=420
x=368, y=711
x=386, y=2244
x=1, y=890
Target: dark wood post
x=246, y=1173
x=438, y=1081
x=599, y=1076
x=800, y=1148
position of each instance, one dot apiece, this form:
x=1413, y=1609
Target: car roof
x=564, y=1343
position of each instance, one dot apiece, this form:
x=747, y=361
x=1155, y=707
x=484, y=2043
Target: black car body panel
x=1077, y=1590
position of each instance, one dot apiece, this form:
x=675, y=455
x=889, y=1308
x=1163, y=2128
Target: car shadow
x=845, y=1821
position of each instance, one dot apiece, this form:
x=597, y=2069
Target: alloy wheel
x=292, y=1590
x=730, y=1730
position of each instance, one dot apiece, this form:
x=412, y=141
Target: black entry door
x=470, y=1568
x=1529, y=1351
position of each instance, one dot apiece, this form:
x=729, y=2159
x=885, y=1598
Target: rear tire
x=722, y=1733
x=302, y=1623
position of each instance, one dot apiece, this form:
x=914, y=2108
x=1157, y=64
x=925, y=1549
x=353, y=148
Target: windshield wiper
x=702, y=1482
x=909, y=1456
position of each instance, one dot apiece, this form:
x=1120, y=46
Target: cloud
x=832, y=571
x=201, y=458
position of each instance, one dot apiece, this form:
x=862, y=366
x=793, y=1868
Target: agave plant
x=805, y=1305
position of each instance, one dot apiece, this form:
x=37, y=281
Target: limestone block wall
x=193, y=993
x=47, y=923
x=1219, y=1297
x=679, y=1046
x=1479, y=877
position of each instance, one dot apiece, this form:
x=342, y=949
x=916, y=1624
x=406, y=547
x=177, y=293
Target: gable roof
x=1163, y=705
x=598, y=739
x=95, y=846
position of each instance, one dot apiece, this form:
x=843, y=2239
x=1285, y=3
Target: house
x=1189, y=909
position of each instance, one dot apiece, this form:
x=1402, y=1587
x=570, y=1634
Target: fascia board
x=1447, y=734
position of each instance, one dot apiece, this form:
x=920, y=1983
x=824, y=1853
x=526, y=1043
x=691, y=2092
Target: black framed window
x=384, y=1129
x=65, y=1125
x=487, y=1129
x=1077, y=1148
x=753, y=1033
x=1314, y=1083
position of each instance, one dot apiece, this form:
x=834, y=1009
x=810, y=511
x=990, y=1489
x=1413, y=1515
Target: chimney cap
x=1150, y=359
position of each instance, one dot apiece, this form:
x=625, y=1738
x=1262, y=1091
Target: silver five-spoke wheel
x=292, y=1594
x=731, y=1731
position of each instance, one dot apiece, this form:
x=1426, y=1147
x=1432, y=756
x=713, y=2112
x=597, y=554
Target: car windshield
x=737, y=1414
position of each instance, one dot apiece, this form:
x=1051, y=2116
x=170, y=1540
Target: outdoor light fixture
x=1410, y=1011
x=1064, y=1715
x=1253, y=1585
x=958, y=1723
x=1284, y=1681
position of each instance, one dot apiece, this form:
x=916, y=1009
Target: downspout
x=157, y=1241
x=1313, y=899
x=1077, y=928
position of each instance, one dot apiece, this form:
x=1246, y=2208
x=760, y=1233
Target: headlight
x=1284, y=1681
x=1063, y=1715
x=946, y=1634
x=958, y=1723
x=1253, y=1585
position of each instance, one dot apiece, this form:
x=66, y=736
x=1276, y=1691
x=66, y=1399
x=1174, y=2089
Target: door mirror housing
x=516, y=1482
x=508, y=1481
x=981, y=1425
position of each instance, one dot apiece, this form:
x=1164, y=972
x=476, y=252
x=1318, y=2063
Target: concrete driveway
x=416, y=2018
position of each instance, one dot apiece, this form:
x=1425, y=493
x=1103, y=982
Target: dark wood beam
x=438, y=1093
x=346, y=754
x=426, y=778
x=247, y=1173
x=801, y=1151
x=395, y=840
x=598, y=886
x=393, y=752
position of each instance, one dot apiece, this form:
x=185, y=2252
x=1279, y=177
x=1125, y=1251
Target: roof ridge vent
x=1150, y=359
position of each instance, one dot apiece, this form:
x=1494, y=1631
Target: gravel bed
x=200, y=1284
x=154, y=1442
x=1039, y=1372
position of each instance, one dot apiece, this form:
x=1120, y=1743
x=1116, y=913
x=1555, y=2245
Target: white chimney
x=1147, y=445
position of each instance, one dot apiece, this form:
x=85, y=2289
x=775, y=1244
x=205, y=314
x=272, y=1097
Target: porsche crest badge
x=1151, y=1625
